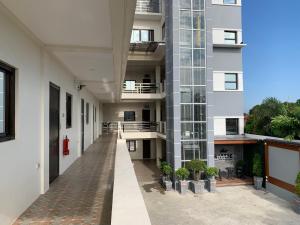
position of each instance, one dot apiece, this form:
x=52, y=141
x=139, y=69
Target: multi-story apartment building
x=66, y=74
x=182, y=95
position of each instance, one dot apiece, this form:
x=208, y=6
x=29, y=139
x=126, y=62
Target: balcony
x=148, y=6
x=136, y=129
x=137, y=91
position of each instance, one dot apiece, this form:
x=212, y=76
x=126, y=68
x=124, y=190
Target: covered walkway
x=83, y=194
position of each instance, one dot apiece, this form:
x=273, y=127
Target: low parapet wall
x=128, y=204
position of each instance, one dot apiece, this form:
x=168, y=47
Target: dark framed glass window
x=131, y=145
x=230, y=37
x=142, y=35
x=68, y=110
x=87, y=113
x=232, y=126
x=229, y=2
x=231, y=81
x=129, y=116
x=7, y=102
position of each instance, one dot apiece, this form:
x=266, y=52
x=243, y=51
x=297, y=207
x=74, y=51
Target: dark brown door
x=82, y=126
x=146, y=118
x=146, y=149
x=54, y=125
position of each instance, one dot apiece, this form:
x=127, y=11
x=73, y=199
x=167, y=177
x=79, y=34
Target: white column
x=157, y=76
x=158, y=111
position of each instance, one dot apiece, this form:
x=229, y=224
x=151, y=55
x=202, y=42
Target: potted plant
x=211, y=172
x=240, y=168
x=197, y=166
x=163, y=175
x=182, y=174
x=297, y=198
x=167, y=171
x=257, y=172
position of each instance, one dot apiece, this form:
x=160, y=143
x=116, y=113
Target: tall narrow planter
x=258, y=181
x=183, y=187
x=296, y=204
x=198, y=186
x=167, y=185
x=212, y=183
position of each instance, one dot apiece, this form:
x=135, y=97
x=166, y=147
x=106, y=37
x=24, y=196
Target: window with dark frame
x=230, y=37
x=232, y=126
x=231, y=81
x=129, y=116
x=87, y=113
x=68, y=110
x=142, y=35
x=131, y=145
x=7, y=102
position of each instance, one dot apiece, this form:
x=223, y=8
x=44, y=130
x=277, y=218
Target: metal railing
x=148, y=6
x=134, y=126
x=143, y=88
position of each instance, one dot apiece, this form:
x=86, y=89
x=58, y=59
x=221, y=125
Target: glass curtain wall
x=193, y=80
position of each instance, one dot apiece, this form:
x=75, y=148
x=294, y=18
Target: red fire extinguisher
x=66, y=150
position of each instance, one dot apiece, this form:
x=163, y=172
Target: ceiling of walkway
x=89, y=37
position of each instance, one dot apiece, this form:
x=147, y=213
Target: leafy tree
x=287, y=127
x=196, y=166
x=261, y=116
x=257, y=165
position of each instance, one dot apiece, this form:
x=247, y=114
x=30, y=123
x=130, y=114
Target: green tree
x=286, y=127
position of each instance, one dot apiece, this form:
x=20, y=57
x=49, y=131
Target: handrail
x=142, y=88
x=148, y=6
x=129, y=126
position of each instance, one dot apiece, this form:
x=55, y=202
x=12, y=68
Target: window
x=129, y=116
x=7, y=102
x=142, y=35
x=231, y=81
x=129, y=85
x=87, y=113
x=230, y=37
x=229, y=2
x=131, y=145
x=232, y=126
x=68, y=110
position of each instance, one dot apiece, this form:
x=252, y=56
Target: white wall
x=138, y=154
x=219, y=80
x=24, y=161
x=115, y=112
x=220, y=125
x=221, y=2
x=219, y=35
x=151, y=25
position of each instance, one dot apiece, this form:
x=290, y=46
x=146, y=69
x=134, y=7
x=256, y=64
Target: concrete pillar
x=158, y=111
x=158, y=151
x=157, y=76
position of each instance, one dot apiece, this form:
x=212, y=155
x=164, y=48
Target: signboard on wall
x=224, y=155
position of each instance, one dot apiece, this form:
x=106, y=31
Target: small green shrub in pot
x=257, y=171
x=197, y=166
x=211, y=172
x=297, y=198
x=182, y=174
x=167, y=171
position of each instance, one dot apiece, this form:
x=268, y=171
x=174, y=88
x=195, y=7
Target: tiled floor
x=240, y=205
x=83, y=194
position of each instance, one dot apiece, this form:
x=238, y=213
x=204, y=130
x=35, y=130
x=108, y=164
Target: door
x=146, y=149
x=146, y=118
x=54, y=125
x=82, y=126
x=147, y=88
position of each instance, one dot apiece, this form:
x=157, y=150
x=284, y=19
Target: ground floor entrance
x=83, y=194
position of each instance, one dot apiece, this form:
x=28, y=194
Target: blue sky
x=271, y=30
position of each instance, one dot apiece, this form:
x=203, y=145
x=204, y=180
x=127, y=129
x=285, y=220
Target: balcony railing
x=148, y=6
x=143, y=88
x=134, y=126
